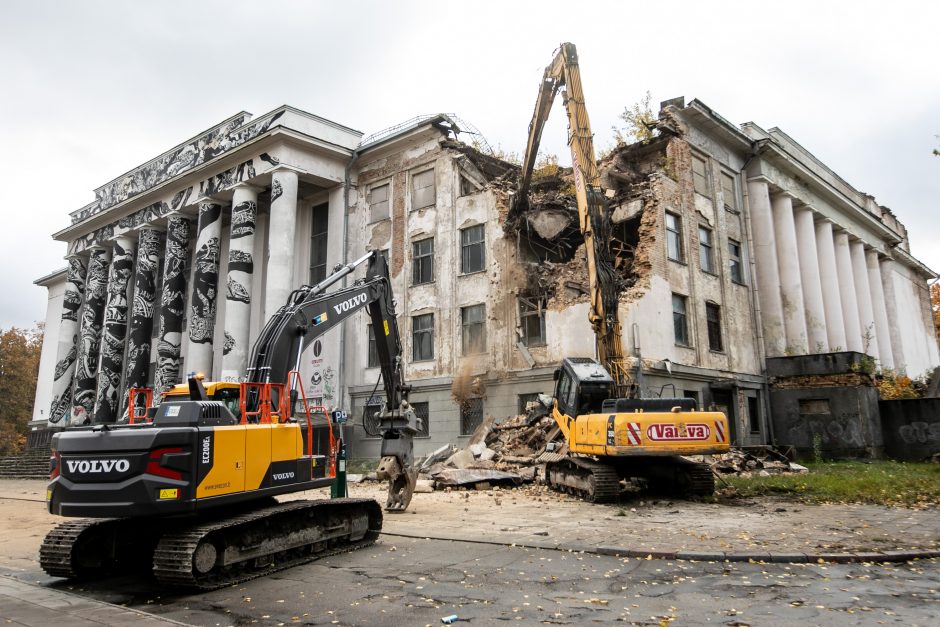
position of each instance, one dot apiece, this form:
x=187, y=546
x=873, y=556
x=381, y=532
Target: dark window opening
x=472, y=249
x=753, y=414
x=318, y=242
x=624, y=238
x=373, y=360
x=424, y=420
x=422, y=336
x=736, y=261
x=673, y=237
x=422, y=253
x=680, y=321
x=473, y=329
x=532, y=321
x=713, y=319
x=471, y=415
x=525, y=399
x=694, y=395
x=706, y=257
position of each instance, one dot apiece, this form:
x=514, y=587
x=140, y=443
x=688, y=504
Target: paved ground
x=406, y=579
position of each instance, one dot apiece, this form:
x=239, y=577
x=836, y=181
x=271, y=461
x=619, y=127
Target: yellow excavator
x=610, y=432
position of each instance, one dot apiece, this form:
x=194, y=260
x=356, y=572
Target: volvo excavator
x=610, y=432
x=189, y=493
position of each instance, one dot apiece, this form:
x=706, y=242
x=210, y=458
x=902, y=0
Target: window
x=728, y=192
x=706, y=259
x=472, y=253
x=423, y=416
x=471, y=415
x=753, y=414
x=422, y=190
x=693, y=395
x=680, y=322
x=422, y=337
x=525, y=399
x=673, y=236
x=318, y=241
x=473, y=329
x=699, y=177
x=736, y=260
x=532, y=321
x=378, y=203
x=422, y=264
x=713, y=319
x=373, y=360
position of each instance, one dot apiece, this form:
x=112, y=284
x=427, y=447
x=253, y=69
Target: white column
x=829, y=280
x=238, y=290
x=879, y=310
x=768, y=276
x=794, y=319
x=891, y=307
x=866, y=316
x=853, y=330
x=812, y=284
x=279, y=273
x=205, y=288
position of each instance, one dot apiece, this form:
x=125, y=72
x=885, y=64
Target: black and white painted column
x=282, y=223
x=240, y=271
x=89, y=334
x=202, y=302
x=114, y=333
x=172, y=302
x=141, y=325
x=67, y=352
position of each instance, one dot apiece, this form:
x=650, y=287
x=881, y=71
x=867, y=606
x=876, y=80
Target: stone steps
x=32, y=464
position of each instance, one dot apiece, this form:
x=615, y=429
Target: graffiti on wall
x=920, y=432
x=67, y=350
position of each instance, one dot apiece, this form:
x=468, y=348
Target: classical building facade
x=732, y=244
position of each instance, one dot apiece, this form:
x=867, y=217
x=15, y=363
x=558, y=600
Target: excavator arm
x=593, y=214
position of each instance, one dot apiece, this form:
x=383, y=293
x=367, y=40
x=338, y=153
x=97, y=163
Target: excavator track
x=95, y=547
x=231, y=550
x=701, y=480
x=591, y=480
x=679, y=477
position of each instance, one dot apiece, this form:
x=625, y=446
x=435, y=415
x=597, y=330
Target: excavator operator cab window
x=563, y=390
x=592, y=397
x=229, y=396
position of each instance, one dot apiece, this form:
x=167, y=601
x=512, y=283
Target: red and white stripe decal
x=633, y=433
x=719, y=431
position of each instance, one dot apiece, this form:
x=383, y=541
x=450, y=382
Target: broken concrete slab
x=424, y=486
x=480, y=433
x=487, y=454
x=477, y=448
x=457, y=477
x=461, y=459
x=549, y=223
x=438, y=456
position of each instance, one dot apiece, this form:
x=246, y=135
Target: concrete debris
x=461, y=459
x=763, y=461
x=438, y=456
x=473, y=476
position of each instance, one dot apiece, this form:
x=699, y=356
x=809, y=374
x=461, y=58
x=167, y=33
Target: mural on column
x=64, y=377
x=141, y=328
x=238, y=293
x=223, y=138
x=114, y=334
x=171, y=303
x=86, y=366
x=205, y=276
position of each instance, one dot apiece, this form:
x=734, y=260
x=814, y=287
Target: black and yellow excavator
x=610, y=434
x=188, y=492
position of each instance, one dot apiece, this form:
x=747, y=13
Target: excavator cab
x=582, y=385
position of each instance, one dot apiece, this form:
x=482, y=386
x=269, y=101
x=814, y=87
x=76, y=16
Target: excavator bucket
x=401, y=483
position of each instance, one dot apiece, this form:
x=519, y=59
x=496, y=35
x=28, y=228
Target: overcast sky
x=89, y=90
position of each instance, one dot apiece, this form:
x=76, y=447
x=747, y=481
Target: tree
x=935, y=305
x=640, y=122
x=19, y=370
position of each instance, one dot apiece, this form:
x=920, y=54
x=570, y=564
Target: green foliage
x=640, y=122
x=893, y=386
x=817, y=448
x=19, y=370
x=880, y=482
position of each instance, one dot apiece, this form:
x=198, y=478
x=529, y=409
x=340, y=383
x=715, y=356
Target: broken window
x=706, y=257
x=729, y=192
x=467, y=186
x=422, y=337
x=736, y=261
x=423, y=416
x=524, y=400
x=532, y=321
x=753, y=414
x=422, y=190
x=373, y=359
x=673, y=237
x=812, y=406
x=471, y=415
x=378, y=203
x=318, y=242
x=680, y=319
x=473, y=329
x=693, y=395
x=699, y=176
x=422, y=264
x=713, y=320
x=472, y=251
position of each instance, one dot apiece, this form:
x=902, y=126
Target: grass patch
x=880, y=482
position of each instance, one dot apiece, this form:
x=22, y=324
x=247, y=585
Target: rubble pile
x=762, y=461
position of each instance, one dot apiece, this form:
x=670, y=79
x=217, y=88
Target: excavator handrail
x=132, y=394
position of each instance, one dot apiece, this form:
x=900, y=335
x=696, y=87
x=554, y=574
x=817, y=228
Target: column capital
x=248, y=187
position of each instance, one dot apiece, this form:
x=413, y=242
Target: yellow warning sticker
x=386, y=327
x=49, y=494
x=169, y=493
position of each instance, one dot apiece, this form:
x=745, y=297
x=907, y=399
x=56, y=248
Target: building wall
x=55, y=290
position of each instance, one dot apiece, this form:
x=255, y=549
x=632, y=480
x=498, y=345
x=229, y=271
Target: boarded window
x=680, y=320
x=422, y=190
x=422, y=253
x=736, y=261
x=422, y=413
x=706, y=256
x=471, y=415
x=753, y=414
x=422, y=336
x=472, y=249
x=318, y=243
x=473, y=329
x=713, y=320
x=673, y=236
x=809, y=406
x=532, y=321
x=729, y=191
x=699, y=176
x=378, y=203
x=373, y=360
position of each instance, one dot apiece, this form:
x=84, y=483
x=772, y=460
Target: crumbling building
x=733, y=244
